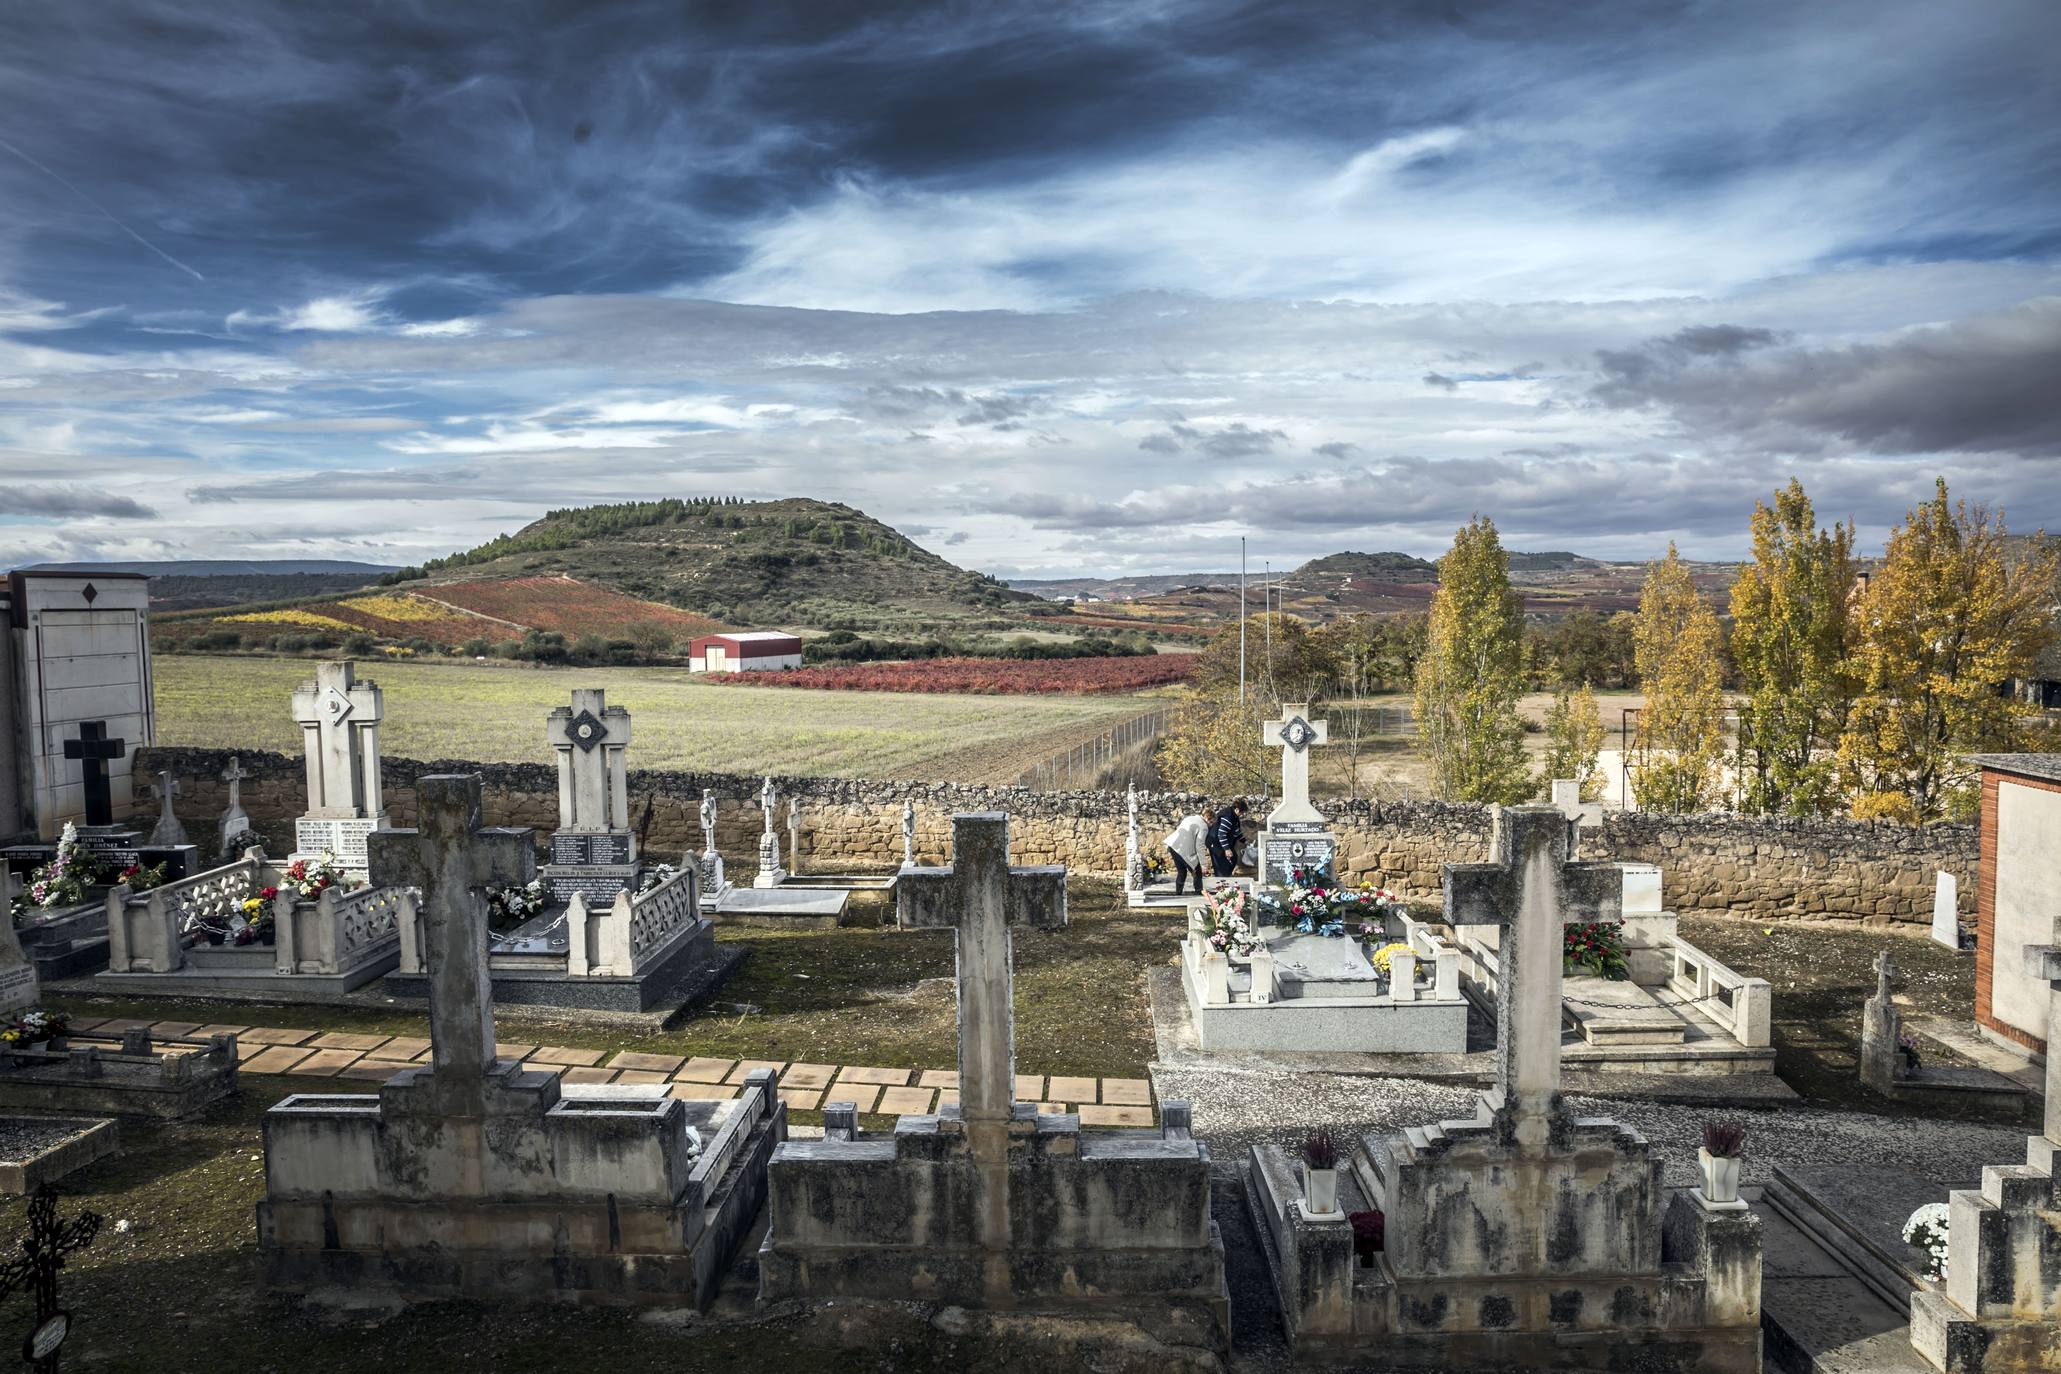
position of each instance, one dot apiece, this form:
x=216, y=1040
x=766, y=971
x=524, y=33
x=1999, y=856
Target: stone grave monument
x=770, y=873
x=988, y=1204
x=1295, y=835
x=1892, y=1061
x=594, y=850
x=908, y=834
x=74, y=652
x=477, y=1177
x=1999, y=1309
x=1946, y=910
x=339, y=718
x=1526, y=1236
x=19, y=987
x=235, y=823
x=713, y=883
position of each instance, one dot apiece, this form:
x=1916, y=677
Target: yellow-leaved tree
x=1948, y=619
x=1680, y=651
x=1791, y=610
x=1471, y=674
x=1574, y=733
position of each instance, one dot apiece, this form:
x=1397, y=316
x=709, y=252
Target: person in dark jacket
x=1227, y=838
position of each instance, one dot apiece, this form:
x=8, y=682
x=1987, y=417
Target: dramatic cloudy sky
x=1052, y=287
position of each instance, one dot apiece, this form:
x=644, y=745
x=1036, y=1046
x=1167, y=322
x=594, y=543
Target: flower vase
x=268, y=934
x=1720, y=1176
x=1320, y=1190
x=59, y=1044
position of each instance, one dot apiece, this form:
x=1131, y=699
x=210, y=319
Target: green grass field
x=495, y=713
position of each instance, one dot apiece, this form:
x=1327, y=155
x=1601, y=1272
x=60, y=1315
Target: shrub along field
x=984, y=676
x=494, y=712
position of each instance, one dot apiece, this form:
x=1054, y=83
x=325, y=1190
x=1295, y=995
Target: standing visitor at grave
x=1227, y=838
x=1186, y=845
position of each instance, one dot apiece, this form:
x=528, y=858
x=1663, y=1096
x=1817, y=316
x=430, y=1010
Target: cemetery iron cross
x=42, y=1255
x=979, y=897
x=1532, y=889
x=94, y=751
x=453, y=859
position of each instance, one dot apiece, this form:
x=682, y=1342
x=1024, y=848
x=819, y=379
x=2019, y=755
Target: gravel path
x=1234, y=1109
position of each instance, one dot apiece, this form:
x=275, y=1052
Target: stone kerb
x=1756, y=868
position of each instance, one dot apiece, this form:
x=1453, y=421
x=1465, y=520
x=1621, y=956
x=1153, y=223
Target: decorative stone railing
x=635, y=932
x=1743, y=1006
x=143, y=928
x=341, y=931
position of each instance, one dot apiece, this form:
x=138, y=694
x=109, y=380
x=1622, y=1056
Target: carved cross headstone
x=43, y=1253
x=2043, y=964
x=711, y=863
x=93, y=751
x=979, y=897
x=452, y=860
x=1134, y=853
x=591, y=738
x=908, y=834
x=1294, y=735
x=169, y=831
x=794, y=834
x=770, y=874
x=708, y=820
x=1533, y=890
x=235, y=820
x=767, y=799
x=339, y=718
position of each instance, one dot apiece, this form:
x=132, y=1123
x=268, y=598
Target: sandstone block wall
x=1749, y=867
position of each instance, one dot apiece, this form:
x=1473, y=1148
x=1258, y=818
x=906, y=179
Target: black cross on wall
x=94, y=751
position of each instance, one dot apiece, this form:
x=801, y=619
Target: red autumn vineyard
x=982, y=676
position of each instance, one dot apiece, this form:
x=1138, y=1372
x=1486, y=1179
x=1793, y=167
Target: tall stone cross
x=908, y=834
x=94, y=751
x=979, y=897
x=1533, y=889
x=1294, y=735
x=2043, y=962
x=452, y=860
x=593, y=782
x=339, y=718
x=767, y=798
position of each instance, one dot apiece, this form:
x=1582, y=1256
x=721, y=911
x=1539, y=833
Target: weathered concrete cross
x=2044, y=963
x=94, y=751
x=979, y=897
x=169, y=831
x=590, y=737
x=1293, y=735
x=1532, y=889
x=452, y=859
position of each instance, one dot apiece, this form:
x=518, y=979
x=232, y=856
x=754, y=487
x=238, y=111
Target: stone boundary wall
x=1748, y=867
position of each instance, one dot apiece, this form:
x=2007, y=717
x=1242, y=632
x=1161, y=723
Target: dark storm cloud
x=71, y=502
x=1976, y=386
x=1438, y=381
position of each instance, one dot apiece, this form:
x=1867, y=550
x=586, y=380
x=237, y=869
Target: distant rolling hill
x=229, y=567
x=788, y=562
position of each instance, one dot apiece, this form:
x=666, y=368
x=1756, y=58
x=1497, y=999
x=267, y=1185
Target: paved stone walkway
x=804, y=1087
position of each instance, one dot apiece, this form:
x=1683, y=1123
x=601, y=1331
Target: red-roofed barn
x=744, y=651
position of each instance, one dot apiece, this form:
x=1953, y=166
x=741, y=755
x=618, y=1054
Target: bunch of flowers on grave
x=309, y=878
x=1598, y=947
x=1907, y=1051
x=508, y=907
x=141, y=879
x=1225, y=922
x=63, y=881
x=1385, y=956
x=1927, y=1229
x=35, y=1026
x=1315, y=904
x=1370, y=1235
x=258, y=926
x=1154, y=866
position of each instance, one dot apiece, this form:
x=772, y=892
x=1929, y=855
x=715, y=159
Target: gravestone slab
x=1289, y=845
x=1320, y=966
x=18, y=987
x=1946, y=910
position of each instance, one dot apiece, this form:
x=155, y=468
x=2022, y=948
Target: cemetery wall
x=1763, y=869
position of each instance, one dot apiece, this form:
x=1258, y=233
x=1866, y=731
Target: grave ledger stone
x=1295, y=835
x=339, y=718
x=989, y=1204
x=475, y=1176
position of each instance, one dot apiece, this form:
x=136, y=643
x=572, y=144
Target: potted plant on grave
x=1383, y=959
x=509, y=907
x=60, y=883
x=37, y=1029
x=309, y=877
x=137, y=878
x=1598, y=947
x=1723, y=1143
x=1907, y=1053
x=1224, y=924
x=258, y=926
x=1927, y=1229
x=1370, y=1235
x=1320, y=1172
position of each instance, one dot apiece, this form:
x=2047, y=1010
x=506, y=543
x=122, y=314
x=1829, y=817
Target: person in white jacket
x=1185, y=843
